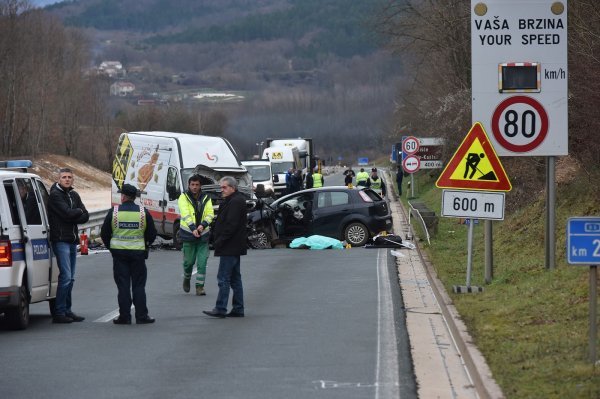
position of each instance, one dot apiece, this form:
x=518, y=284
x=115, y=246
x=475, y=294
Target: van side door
x=171, y=195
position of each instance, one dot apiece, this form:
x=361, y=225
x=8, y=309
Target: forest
x=354, y=76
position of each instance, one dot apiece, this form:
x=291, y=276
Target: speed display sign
x=520, y=75
x=520, y=124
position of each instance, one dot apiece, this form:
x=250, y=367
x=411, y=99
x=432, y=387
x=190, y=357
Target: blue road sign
x=363, y=161
x=583, y=240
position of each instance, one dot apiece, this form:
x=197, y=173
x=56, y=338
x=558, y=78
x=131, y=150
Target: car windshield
x=281, y=167
x=259, y=172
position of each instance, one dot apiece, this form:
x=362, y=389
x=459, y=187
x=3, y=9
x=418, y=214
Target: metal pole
x=489, y=252
x=412, y=185
x=550, y=213
x=470, y=252
x=593, y=309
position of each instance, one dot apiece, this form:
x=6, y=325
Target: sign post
x=583, y=248
x=474, y=166
x=519, y=85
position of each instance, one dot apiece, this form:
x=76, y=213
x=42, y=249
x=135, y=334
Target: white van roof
x=214, y=152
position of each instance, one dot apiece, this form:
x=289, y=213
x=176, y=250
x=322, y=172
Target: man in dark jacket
x=127, y=232
x=230, y=243
x=65, y=212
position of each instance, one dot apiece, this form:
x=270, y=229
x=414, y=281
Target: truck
x=261, y=173
x=282, y=159
x=305, y=150
x=159, y=164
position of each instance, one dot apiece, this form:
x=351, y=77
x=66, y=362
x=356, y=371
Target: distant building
x=111, y=68
x=121, y=88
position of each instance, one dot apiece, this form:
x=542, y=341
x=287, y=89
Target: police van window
x=43, y=192
x=12, y=203
x=29, y=201
x=173, y=188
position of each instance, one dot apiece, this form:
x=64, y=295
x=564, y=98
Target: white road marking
x=387, y=372
x=109, y=316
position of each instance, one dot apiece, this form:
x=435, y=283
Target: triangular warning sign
x=475, y=165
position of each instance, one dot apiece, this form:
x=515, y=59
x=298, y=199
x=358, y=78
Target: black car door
x=296, y=215
x=331, y=208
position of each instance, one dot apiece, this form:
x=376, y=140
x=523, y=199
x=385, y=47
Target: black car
x=350, y=214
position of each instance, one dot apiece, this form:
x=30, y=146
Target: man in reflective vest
x=375, y=183
x=197, y=213
x=362, y=177
x=127, y=232
x=318, y=180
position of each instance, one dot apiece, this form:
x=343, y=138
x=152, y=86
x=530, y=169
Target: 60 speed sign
x=520, y=124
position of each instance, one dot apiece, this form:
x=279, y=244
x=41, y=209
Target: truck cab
x=28, y=273
x=261, y=173
x=282, y=160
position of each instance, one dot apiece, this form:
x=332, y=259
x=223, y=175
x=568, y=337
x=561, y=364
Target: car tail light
x=365, y=197
x=5, y=253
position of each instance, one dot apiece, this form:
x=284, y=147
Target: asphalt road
x=323, y=324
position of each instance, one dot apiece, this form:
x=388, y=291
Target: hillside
x=91, y=183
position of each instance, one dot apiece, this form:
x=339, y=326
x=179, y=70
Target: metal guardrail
x=412, y=208
x=92, y=226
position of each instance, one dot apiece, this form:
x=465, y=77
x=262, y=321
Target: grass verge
x=531, y=324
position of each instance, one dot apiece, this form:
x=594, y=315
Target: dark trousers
x=229, y=277
x=130, y=273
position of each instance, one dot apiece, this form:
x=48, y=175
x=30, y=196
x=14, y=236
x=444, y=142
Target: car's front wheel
x=356, y=234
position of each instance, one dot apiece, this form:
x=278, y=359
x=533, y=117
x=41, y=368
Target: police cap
x=129, y=190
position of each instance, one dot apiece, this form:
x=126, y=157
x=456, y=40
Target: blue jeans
x=229, y=277
x=66, y=255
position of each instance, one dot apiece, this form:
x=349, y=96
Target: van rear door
x=34, y=228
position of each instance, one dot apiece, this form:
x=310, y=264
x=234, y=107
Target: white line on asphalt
x=386, y=373
x=109, y=316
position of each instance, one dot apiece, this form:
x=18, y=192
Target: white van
x=282, y=159
x=28, y=273
x=261, y=173
x=159, y=164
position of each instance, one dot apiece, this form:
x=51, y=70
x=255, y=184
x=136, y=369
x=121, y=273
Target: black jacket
x=230, y=227
x=106, y=230
x=65, y=212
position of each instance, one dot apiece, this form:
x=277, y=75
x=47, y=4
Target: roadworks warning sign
x=475, y=165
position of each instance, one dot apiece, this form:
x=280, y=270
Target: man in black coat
x=65, y=212
x=229, y=243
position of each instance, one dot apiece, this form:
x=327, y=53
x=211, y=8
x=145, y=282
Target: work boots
x=186, y=284
x=200, y=290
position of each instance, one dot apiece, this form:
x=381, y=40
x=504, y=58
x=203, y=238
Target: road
x=324, y=324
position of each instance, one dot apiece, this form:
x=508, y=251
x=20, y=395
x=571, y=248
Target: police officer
x=127, y=232
x=376, y=183
x=362, y=177
x=318, y=180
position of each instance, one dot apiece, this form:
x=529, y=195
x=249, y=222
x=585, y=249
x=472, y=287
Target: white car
x=28, y=273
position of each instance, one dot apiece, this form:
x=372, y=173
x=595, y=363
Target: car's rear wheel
x=356, y=234
x=18, y=317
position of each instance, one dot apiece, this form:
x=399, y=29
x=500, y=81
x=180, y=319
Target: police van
x=27, y=271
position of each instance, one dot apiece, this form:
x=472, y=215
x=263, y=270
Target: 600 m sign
x=473, y=204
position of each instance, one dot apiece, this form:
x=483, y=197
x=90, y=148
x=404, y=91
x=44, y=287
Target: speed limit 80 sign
x=520, y=124
x=520, y=75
